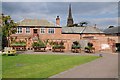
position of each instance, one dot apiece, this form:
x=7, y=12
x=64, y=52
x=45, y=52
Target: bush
x=39, y=44
x=90, y=45
x=20, y=43
x=35, y=44
x=57, y=45
x=76, y=45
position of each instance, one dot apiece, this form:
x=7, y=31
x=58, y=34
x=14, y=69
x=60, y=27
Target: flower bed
x=19, y=46
x=58, y=47
x=76, y=47
x=39, y=46
x=89, y=48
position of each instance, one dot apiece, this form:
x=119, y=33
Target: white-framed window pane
x=42, y=30
x=51, y=30
x=19, y=30
x=28, y=30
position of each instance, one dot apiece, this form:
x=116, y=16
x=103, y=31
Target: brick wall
x=97, y=39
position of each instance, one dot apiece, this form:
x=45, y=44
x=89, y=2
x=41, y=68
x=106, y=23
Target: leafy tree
x=8, y=28
x=80, y=24
x=111, y=26
x=83, y=23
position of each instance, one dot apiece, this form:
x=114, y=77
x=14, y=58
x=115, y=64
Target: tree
x=8, y=28
x=111, y=26
x=83, y=23
x=73, y=25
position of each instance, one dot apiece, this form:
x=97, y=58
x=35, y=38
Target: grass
x=0, y=66
x=40, y=66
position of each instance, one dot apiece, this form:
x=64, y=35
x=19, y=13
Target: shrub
x=76, y=45
x=19, y=43
x=39, y=44
x=57, y=45
x=90, y=45
x=61, y=43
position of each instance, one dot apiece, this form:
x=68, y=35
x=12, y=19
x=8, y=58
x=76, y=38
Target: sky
x=103, y=14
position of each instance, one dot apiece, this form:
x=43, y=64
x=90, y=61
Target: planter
x=58, y=48
x=39, y=49
x=39, y=46
x=76, y=48
x=19, y=48
x=89, y=49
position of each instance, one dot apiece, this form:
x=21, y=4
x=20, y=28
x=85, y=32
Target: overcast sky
x=103, y=14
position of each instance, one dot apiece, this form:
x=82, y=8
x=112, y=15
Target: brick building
x=113, y=36
x=29, y=30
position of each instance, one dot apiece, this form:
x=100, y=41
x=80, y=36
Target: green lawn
x=40, y=66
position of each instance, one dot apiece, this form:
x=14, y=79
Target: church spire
x=70, y=19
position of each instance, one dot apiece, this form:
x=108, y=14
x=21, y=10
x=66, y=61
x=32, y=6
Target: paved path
x=105, y=67
x=56, y=53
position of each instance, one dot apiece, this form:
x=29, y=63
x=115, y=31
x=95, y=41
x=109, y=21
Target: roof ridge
x=35, y=22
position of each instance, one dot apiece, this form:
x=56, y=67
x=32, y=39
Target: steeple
x=70, y=19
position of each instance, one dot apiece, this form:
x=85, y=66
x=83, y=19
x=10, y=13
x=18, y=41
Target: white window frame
x=51, y=31
x=19, y=30
x=42, y=30
x=28, y=31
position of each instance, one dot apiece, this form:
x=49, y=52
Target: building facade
x=30, y=30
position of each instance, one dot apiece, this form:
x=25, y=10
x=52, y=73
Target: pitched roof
x=112, y=30
x=35, y=22
x=81, y=30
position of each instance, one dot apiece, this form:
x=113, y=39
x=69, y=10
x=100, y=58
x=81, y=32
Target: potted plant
x=76, y=47
x=58, y=46
x=89, y=48
x=20, y=45
x=38, y=46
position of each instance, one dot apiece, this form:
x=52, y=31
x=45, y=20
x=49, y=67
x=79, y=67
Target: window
x=51, y=30
x=35, y=31
x=19, y=30
x=42, y=30
x=27, y=29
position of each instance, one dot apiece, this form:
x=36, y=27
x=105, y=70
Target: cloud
x=98, y=12
x=103, y=22
x=60, y=0
x=81, y=8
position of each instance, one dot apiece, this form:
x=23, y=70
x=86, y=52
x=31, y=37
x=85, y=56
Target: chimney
x=57, y=21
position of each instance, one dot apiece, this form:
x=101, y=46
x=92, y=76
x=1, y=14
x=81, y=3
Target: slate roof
x=81, y=30
x=35, y=22
x=113, y=30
